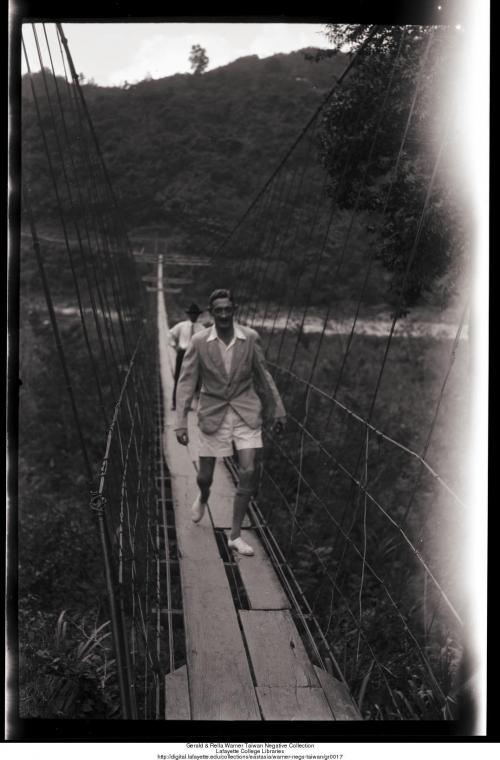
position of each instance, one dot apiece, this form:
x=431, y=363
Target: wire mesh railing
x=103, y=324
x=364, y=493
x=361, y=501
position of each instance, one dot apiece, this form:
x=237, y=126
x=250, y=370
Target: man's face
x=193, y=317
x=222, y=310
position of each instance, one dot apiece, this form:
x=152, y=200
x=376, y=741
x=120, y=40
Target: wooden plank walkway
x=240, y=664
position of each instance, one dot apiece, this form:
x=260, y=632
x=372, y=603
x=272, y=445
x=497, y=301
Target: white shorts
x=232, y=429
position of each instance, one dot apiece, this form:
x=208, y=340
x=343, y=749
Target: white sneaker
x=198, y=509
x=241, y=546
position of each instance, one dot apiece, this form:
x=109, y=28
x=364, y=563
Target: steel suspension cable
x=379, y=121
x=72, y=204
x=111, y=195
x=63, y=223
x=299, y=273
x=409, y=263
x=296, y=217
x=339, y=81
x=437, y=408
x=378, y=124
x=55, y=330
x=97, y=268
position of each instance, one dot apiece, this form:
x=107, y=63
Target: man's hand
x=279, y=425
x=182, y=436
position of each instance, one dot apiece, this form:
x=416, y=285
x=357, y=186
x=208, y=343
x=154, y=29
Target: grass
x=67, y=665
x=60, y=559
x=330, y=537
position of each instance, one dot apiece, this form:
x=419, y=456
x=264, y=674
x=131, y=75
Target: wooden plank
x=289, y=703
x=262, y=586
x=221, y=508
x=220, y=682
x=276, y=651
x=177, y=695
x=337, y=694
x=194, y=540
x=222, y=497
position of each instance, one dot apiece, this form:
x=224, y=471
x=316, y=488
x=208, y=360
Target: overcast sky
x=115, y=52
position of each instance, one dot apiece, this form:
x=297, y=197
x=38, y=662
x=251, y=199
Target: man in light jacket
x=237, y=391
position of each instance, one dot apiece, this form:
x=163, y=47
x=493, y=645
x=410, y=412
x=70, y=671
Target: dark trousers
x=177, y=371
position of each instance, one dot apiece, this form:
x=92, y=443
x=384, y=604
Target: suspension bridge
x=345, y=610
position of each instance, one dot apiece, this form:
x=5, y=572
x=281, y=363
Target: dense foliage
x=190, y=152
x=399, y=114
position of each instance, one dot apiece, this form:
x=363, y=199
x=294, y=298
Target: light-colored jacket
x=248, y=388
x=180, y=334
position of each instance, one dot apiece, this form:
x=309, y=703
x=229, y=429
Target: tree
x=198, y=59
x=401, y=81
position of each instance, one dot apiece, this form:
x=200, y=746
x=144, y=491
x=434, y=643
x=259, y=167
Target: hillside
x=186, y=155
x=191, y=149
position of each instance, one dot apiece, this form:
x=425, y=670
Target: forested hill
x=189, y=152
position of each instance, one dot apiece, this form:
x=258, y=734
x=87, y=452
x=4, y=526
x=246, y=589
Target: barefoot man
x=236, y=387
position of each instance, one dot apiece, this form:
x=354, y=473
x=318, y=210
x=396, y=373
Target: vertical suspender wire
x=100, y=274
x=319, y=257
x=263, y=232
x=299, y=474
x=61, y=218
x=55, y=330
x=285, y=192
x=86, y=210
x=296, y=216
x=168, y=579
x=427, y=443
x=378, y=124
x=98, y=503
x=380, y=117
x=63, y=225
x=330, y=219
x=373, y=573
x=242, y=287
x=372, y=256
x=67, y=244
x=341, y=594
x=72, y=204
x=409, y=263
x=265, y=246
x=295, y=209
x=111, y=255
x=296, y=141
x=117, y=217
x=361, y=584
x=386, y=203
x=119, y=313
x=276, y=191
x=163, y=498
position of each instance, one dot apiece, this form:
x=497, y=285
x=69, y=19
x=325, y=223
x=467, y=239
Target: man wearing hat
x=180, y=336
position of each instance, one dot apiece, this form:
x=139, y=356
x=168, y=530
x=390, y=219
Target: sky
x=112, y=53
